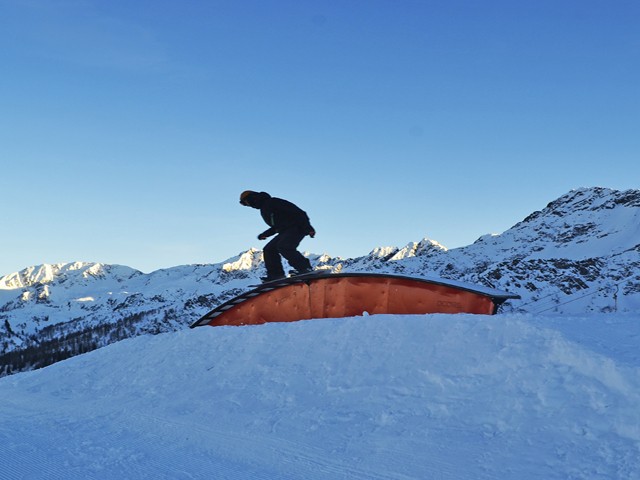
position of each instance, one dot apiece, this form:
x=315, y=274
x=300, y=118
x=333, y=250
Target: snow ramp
x=336, y=295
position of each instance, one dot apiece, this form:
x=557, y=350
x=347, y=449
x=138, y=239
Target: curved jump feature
x=335, y=295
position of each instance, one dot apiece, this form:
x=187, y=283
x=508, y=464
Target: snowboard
x=292, y=276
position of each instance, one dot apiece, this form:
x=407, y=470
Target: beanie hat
x=244, y=195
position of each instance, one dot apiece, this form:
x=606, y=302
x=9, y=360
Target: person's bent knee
x=284, y=251
x=271, y=247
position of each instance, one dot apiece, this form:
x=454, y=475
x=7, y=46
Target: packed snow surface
x=373, y=397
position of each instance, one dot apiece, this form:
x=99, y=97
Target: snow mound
x=376, y=397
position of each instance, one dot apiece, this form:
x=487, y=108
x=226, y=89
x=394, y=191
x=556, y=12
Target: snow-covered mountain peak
x=50, y=274
x=584, y=223
x=248, y=260
x=29, y=276
x=425, y=246
x=488, y=238
x=39, y=274
x=582, y=201
x=383, y=252
x=596, y=198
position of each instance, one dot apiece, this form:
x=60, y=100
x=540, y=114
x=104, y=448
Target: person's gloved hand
x=312, y=232
x=262, y=236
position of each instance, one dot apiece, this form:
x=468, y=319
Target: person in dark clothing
x=289, y=223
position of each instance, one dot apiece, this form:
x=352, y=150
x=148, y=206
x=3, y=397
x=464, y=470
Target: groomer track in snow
x=350, y=294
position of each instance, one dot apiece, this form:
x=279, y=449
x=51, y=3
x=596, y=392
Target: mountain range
x=578, y=255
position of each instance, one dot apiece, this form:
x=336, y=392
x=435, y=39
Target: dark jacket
x=279, y=214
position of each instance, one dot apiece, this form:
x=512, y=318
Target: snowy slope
x=580, y=254
x=380, y=397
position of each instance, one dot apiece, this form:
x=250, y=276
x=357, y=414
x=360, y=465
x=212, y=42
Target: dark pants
x=285, y=243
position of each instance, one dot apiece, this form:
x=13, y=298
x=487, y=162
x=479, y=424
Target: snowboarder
x=290, y=223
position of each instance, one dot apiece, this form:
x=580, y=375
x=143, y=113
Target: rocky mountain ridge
x=579, y=254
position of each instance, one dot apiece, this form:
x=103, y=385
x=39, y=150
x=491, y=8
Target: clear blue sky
x=128, y=129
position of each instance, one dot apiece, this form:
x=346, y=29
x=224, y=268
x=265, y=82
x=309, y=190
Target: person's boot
x=271, y=278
